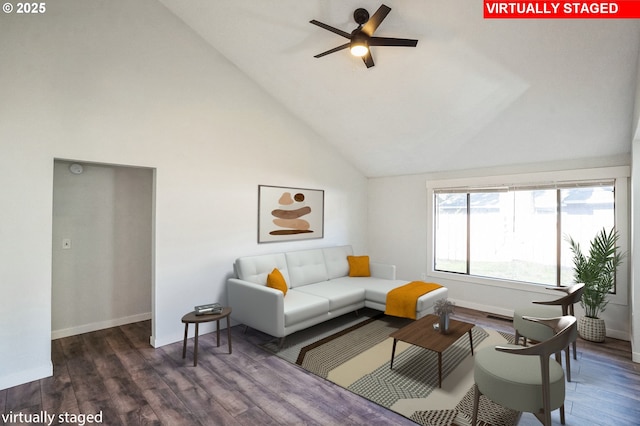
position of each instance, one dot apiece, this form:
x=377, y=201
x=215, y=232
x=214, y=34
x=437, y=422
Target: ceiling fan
x=362, y=37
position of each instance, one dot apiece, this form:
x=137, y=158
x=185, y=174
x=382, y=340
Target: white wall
x=103, y=278
x=126, y=83
x=634, y=294
x=398, y=235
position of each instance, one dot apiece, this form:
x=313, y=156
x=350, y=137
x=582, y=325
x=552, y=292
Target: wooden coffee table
x=421, y=333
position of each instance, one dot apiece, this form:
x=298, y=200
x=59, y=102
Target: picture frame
x=289, y=213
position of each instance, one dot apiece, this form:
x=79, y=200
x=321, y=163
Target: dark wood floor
x=115, y=372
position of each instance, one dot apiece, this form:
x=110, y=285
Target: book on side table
x=208, y=309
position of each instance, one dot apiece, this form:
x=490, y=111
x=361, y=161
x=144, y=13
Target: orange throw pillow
x=359, y=266
x=277, y=281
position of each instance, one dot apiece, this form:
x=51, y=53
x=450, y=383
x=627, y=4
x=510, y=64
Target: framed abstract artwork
x=286, y=214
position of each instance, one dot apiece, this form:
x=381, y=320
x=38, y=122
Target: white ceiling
x=474, y=93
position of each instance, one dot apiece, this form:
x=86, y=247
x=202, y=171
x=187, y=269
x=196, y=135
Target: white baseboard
x=95, y=326
x=617, y=334
x=484, y=308
x=166, y=340
x=20, y=377
x=205, y=328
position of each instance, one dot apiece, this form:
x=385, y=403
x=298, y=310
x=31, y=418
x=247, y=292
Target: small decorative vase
x=592, y=329
x=444, y=324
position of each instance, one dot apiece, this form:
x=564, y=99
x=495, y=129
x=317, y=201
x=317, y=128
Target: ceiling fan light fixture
x=359, y=49
x=362, y=37
x=359, y=46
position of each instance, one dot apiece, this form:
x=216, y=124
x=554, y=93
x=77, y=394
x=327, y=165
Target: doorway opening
x=102, y=254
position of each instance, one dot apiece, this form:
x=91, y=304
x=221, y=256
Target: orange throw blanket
x=401, y=301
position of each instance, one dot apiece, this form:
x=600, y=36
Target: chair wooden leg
x=568, y=363
x=575, y=354
x=546, y=391
x=562, y=414
x=476, y=403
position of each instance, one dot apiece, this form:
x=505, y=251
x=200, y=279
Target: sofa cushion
x=359, y=266
x=336, y=260
x=256, y=268
x=376, y=290
x=339, y=295
x=306, y=267
x=300, y=306
x=277, y=281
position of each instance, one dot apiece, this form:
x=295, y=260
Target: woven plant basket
x=592, y=329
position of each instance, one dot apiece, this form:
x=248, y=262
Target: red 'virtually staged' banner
x=623, y=9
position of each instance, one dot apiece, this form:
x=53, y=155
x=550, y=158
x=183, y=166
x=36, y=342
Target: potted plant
x=443, y=308
x=598, y=273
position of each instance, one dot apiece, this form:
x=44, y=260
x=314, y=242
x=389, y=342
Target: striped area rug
x=355, y=352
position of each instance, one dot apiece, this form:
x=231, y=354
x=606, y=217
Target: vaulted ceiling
x=474, y=93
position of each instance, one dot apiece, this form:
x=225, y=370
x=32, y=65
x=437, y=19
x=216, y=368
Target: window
x=517, y=232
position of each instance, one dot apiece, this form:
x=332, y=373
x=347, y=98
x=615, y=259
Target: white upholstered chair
x=526, y=378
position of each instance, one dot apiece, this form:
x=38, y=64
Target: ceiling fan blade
x=335, y=49
x=368, y=60
x=330, y=28
x=389, y=41
x=374, y=22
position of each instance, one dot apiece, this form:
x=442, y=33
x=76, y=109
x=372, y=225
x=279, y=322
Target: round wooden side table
x=192, y=318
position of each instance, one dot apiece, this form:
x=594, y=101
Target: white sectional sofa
x=320, y=288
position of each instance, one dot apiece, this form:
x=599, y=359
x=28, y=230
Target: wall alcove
x=102, y=254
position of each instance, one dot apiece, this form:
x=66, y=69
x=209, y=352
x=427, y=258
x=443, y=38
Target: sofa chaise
x=319, y=288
